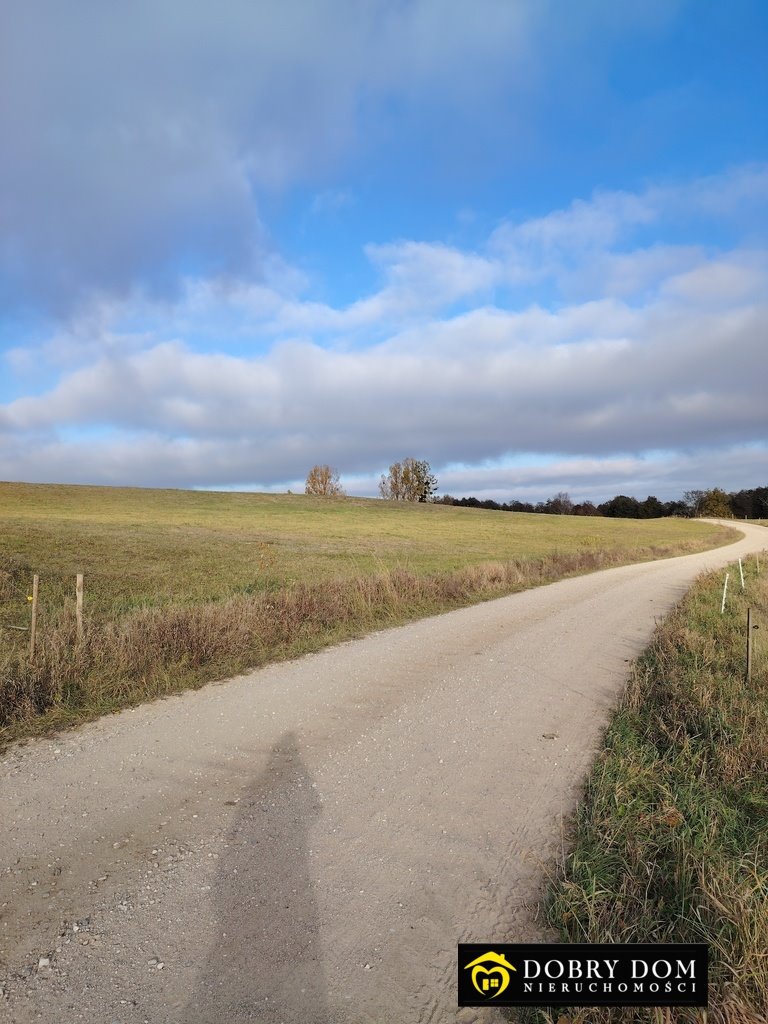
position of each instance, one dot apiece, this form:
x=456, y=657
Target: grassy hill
x=151, y=546
x=185, y=586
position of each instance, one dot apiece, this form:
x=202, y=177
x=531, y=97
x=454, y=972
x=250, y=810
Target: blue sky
x=523, y=239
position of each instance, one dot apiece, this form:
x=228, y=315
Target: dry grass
x=670, y=843
x=155, y=651
x=185, y=587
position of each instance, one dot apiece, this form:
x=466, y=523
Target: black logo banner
x=581, y=974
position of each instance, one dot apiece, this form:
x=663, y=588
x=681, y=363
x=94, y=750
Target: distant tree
x=675, y=508
x=716, y=503
x=586, y=508
x=409, y=480
x=693, y=500
x=392, y=485
x=651, y=508
x=426, y=481
x=742, y=503
x=323, y=480
x=621, y=507
x=750, y=504
x=560, y=505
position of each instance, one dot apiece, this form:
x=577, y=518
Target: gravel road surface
x=308, y=843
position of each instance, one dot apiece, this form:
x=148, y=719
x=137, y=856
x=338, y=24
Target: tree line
x=413, y=480
x=715, y=502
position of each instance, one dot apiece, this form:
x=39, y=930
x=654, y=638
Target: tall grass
x=671, y=842
x=153, y=651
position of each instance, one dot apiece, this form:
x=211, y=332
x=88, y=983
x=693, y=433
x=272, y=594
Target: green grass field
x=182, y=586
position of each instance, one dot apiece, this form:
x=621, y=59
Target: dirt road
x=309, y=842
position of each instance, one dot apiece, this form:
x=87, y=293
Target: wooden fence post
x=33, y=623
x=79, y=606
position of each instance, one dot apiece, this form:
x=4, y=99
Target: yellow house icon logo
x=490, y=981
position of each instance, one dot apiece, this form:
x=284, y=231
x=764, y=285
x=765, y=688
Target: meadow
x=182, y=587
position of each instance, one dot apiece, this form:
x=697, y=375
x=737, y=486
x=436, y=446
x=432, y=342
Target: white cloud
x=624, y=274
x=597, y=223
x=733, y=194
x=721, y=281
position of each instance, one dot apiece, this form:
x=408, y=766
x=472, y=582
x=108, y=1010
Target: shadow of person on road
x=265, y=964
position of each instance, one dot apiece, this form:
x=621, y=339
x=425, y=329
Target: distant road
x=309, y=842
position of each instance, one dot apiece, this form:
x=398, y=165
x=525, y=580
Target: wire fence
x=29, y=600
x=108, y=588
x=15, y=602
x=20, y=591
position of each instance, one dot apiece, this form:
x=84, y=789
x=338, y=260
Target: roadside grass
x=671, y=841
x=182, y=587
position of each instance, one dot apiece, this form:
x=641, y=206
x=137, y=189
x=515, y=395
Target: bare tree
x=391, y=485
x=409, y=480
x=560, y=505
x=693, y=501
x=323, y=480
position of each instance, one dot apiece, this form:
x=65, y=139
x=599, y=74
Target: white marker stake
x=741, y=573
x=725, y=591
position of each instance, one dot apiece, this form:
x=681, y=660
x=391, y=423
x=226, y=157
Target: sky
x=526, y=240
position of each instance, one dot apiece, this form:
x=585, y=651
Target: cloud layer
x=640, y=349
